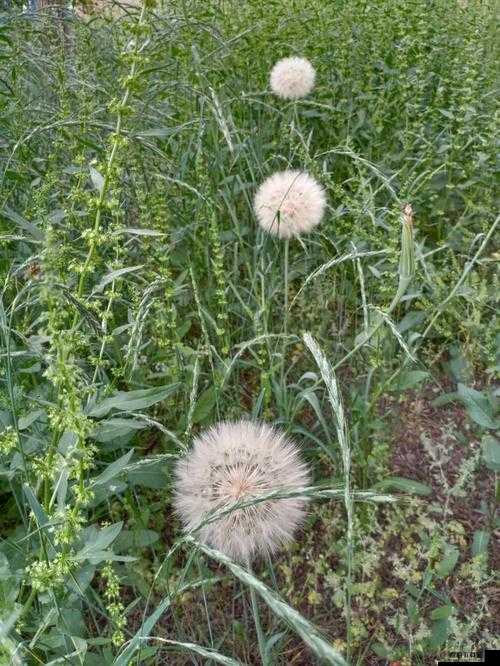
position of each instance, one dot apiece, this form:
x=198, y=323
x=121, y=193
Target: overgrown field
x=142, y=303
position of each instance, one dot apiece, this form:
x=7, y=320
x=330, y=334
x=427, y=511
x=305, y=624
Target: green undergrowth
x=141, y=303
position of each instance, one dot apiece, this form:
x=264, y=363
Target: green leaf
x=149, y=477
x=41, y=517
x=448, y=563
x=491, y=452
x=22, y=223
x=204, y=405
x=114, y=428
x=443, y=612
x=97, y=556
x=411, y=321
x=128, y=401
x=113, y=275
x=81, y=578
x=97, y=540
x=381, y=650
x=406, y=485
x=137, y=231
x=446, y=113
x=112, y=470
x=478, y=406
x=439, y=634
x=7, y=623
x=156, y=131
x=411, y=378
x=444, y=399
x=480, y=542
x=26, y=420
x=140, y=538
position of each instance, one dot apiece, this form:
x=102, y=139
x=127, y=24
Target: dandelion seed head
x=238, y=462
x=292, y=78
x=289, y=203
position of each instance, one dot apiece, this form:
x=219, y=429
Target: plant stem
x=285, y=314
x=258, y=627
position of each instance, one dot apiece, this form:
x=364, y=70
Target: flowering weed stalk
x=117, y=141
x=209, y=220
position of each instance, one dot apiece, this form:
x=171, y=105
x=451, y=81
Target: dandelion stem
x=285, y=314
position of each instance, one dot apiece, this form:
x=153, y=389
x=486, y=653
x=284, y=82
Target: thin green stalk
x=285, y=314
x=258, y=627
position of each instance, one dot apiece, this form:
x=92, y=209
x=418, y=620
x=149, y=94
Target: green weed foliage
x=141, y=302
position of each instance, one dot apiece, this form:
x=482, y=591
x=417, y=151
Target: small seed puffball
x=289, y=203
x=292, y=78
x=240, y=461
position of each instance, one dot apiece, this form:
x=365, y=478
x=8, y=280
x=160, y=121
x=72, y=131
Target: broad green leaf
x=26, y=420
x=140, y=538
x=41, y=517
x=204, y=405
x=478, y=406
x=129, y=401
x=439, y=634
x=443, y=612
x=149, y=471
x=22, y=223
x=449, y=561
x=156, y=131
x=149, y=477
x=411, y=378
x=107, y=555
x=113, y=469
x=491, y=452
x=444, y=399
x=411, y=321
x=97, y=540
x=480, y=542
x=61, y=488
x=137, y=231
x=81, y=579
x=6, y=624
x=107, y=431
